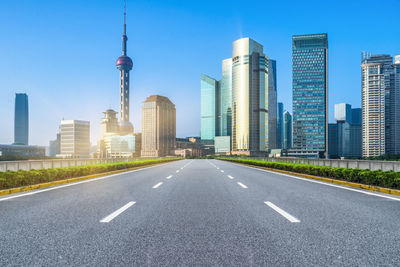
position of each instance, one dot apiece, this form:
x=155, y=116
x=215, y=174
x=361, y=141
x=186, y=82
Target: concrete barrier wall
x=352, y=164
x=53, y=163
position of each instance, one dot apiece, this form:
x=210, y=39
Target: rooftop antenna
x=124, y=37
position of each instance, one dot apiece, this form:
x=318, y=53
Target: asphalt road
x=199, y=212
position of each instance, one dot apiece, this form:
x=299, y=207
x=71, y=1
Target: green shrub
x=389, y=179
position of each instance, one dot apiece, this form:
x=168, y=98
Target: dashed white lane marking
x=110, y=217
x=217, y=168
x=323, y=183
x=282, y=212
x=230, y=177
x=242, y=185
x=222, y=171
x=182, y=168
x=157, y=185
x=177, y=171
x=169, y=177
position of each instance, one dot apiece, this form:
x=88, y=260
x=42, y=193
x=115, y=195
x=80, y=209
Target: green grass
x=11, y=179
x=388, y=179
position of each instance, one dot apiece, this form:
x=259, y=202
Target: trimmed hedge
x=10, y=179
x=388, y=179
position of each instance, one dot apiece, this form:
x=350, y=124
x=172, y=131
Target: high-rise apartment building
x=210, y=115
x=287, y=130
x=158, y=127
x=75, y=139
x=310, y=95
x=272, y=106
x=21, y=120
x=380, y=105
x=279, y=131
x=249, y=98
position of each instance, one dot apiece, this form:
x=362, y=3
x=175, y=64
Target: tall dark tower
x=124, y=64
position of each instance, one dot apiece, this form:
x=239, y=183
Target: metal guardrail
x=55, y=163
x=346, y=163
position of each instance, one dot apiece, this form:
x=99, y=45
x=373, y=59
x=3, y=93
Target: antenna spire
x=124, y=37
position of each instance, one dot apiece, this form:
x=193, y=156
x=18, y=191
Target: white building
x=75, y=139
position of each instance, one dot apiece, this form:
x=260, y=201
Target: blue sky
x=62, y=53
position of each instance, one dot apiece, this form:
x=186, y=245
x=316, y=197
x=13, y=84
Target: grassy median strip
x=372, y=179
x=22, y=180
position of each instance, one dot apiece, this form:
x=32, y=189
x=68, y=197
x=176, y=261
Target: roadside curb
x=69, y=180
x=330, y=180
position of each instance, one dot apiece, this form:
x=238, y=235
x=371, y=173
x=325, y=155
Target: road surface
x=199, y=212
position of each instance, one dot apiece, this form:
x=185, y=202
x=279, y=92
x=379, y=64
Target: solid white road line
x=282, y=212
x=230, y=177
x=110, y=217
x=242, y=185
x=169, y=177
x=323, y=183
x=222, y=171
x=72, y=184
x=157, y=185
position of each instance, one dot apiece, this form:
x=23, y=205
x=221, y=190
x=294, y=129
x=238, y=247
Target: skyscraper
x=279, y=130
x=124, y=64
x=249, y=98
x=272, y=106
x=158, y=127
x=75, y=139
x=287, y=130
x=345, y=135
x=310, y=95
x=21, y=120
x=225, y=128
x=380, y=106
x=210, y=126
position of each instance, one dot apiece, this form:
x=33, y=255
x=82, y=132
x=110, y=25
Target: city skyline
x=70, y=90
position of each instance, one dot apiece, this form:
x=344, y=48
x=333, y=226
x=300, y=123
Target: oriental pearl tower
x=124, y=64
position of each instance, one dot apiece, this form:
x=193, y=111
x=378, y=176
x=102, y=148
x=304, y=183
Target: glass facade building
x=209, y=108
x=249, y=98
x=225, y=126
x=21, y=120
x=272, y=106
x=287, y=130
x=279, y=131
x=310, y=95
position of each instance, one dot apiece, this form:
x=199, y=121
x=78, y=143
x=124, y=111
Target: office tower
x=109, y=124
x=310, y=95
x=75, y=139
x=209, y=108
x=158, y=127
x=287, y=130
x=344, y=136
x=225, y=128
x=272, y=106
x=279, y=131
x=356, y=116
x=343, y=112
x=124, y=64
x=21, y=120
x=380, y=105
x=249, y=98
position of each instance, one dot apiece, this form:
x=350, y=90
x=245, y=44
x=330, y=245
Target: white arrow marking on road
x=230, y=177
x=169, y=177
x=242, y=185
x=282, y=212
x=110, y=217
x=157, y=185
